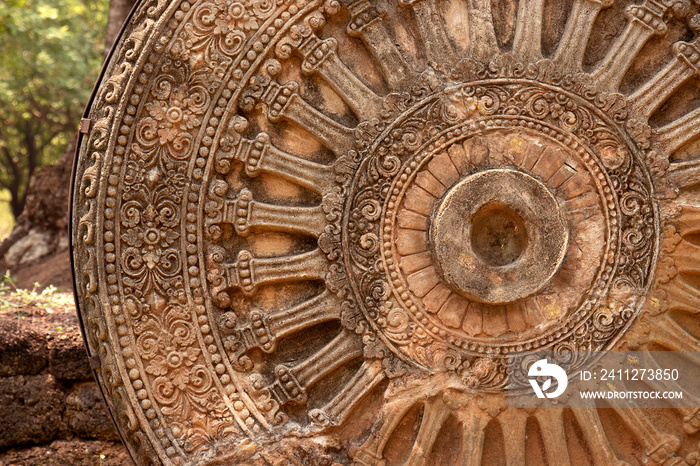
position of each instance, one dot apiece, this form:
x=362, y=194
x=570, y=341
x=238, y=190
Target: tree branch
x=10, y=161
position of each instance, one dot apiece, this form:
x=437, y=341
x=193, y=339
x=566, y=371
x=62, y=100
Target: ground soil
x=68, y=452
x=54, y=269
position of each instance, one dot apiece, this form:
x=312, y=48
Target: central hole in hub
x=498, y=235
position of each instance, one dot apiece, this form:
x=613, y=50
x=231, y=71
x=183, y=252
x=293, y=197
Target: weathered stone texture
x=32, y=409
x=317, y=232
x=48, y=393
x=67, y=357
x=23, y=350
x=86, y=413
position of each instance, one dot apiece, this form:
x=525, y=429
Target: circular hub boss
x=318, y=232
x=498, y=236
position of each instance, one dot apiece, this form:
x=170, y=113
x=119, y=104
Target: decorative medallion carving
x=319, y=232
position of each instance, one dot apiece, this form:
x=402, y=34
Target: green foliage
x=50, y=55
x=20, y=299
x=7, y=220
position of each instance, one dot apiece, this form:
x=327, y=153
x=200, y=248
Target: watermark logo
x=544, y=369
x=633, y=379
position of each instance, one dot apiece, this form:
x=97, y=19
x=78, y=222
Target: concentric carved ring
x=467, y=129
x=498, y=236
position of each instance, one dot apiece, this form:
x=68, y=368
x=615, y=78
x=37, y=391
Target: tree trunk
x=118, y=11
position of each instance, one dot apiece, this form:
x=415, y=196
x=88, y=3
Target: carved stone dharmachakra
x=315, y=232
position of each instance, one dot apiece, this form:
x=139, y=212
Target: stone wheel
x=315, y=232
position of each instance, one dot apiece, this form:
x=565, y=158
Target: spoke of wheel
x=551, y=422
x=645, y=21
x=367, y=24
x=527, y=44
x=572, y=46
x=435, y=412
x=596, y=439
x=259, y=155
x=474, y=422
x=436, y=45
x=482, y=37
x=652, y=94
x=514, y=424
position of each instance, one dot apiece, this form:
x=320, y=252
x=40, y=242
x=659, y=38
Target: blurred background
x=51, y=52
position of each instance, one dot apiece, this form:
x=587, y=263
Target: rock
x=86, y=413
x=67, y=356
x=31, y=409
x=41, y=228
x=23, y=350
x=34, y=245
x=63, y=241
x=47, y=391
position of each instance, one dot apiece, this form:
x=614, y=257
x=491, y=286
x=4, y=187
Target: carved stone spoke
x=482, y=37
x=669, y=333
x=646, y=20
x=600, y=448
x=527, y=42
x=321, y=56
x=434, y=415
x=366, y=23
x=250, y=272
x=337, y=232
x=363, y=101
x=685, y=174
x=680, y=131
x=685, y=65
x=551, y=422
x=246, y=214
x=314, y=311
x=263, y=331
x=688, y=403
x=259, y=155
x=572, y=45
x=372, y=450
x=291, y=383
x=658, y=447
x=431, y=25
x=474, y=424
x=337, y=410
x=514, y=425
x=282, y=101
